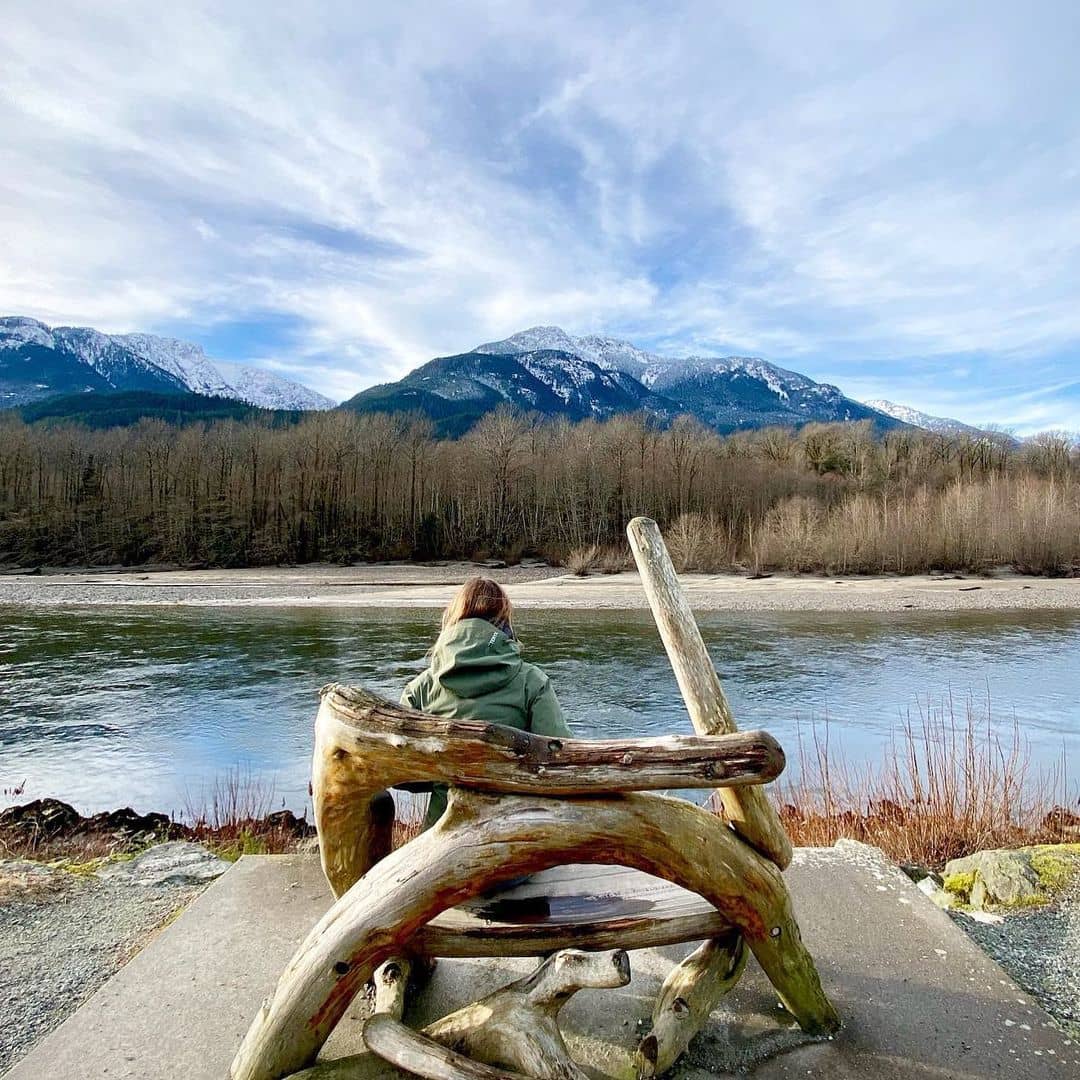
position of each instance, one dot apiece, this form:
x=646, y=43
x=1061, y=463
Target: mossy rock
x=959, y=884
x=1056, y=865
x=1022, y=877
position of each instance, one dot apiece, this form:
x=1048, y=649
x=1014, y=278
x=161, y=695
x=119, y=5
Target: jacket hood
x=474, y=657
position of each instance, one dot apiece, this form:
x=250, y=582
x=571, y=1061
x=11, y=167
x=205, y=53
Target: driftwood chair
x=520, y=804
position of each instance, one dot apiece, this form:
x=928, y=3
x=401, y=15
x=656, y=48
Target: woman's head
x=480, y=598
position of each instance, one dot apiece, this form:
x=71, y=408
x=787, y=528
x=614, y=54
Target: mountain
x=455, y=391
x=941, y=425
x=38, y=361
x=546, y=370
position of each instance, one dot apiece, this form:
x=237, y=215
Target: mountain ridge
x=80, y=359
x=940, y=425
x=597, y=376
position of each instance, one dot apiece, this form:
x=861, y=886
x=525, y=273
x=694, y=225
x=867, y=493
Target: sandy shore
x=535, y=586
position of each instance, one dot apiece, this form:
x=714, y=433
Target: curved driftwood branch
x=482, y=840
x=516, y=1027
x=393, y=744
x=686, y=1000
x=421, y=1056
x=364, y=743
x=751, y=814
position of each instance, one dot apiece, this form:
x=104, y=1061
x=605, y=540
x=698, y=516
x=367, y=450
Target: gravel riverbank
x=62, y=934
x=1040, y=948
x=531, y=585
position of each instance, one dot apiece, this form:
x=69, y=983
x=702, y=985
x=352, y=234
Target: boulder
x=126, y=824
x=42, y=819
x=287, y=822
x=175, y=863
x=994, y=877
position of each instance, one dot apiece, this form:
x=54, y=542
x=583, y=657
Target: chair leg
x=687, y=999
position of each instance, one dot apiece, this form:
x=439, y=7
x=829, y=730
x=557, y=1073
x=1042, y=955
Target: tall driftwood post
x=751, y=814
x=693, y=988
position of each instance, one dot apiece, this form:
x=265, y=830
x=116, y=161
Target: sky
x=883, y=196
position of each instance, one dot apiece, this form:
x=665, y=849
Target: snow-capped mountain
x=455, y=391
x=941, y=425
x=183, y=359
x=38, y=361
x=546, y=370
x=605, y=352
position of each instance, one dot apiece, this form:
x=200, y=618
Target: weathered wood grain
x=517, y=1027
x=421, y=1056
x=751, y=814
x=484, y=839
x=364, y=743
x=579, y=906
x=686, y=1000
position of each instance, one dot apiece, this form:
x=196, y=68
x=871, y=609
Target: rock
x=286, y=821
x=41, y=819
x=996, y=877
x=308, y=846
x=126, y=824
x=931, y=888
x=175, y=863
x=51, y=819
x=919, y=873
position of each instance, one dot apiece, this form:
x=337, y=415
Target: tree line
x=340, y=487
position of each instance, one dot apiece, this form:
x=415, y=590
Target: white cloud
x=839, y=188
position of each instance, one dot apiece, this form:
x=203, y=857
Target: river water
x=153, y=707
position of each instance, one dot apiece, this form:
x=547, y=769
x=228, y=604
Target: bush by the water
x=948, y=784
x=341, y=487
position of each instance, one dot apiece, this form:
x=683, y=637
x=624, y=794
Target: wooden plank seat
x=579, y=906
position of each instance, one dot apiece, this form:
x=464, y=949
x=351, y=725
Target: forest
x=339, y=487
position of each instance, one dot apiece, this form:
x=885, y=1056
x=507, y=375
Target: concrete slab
x=919, y=999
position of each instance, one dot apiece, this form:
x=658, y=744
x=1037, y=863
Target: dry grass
x=947, y=785
x=234, y=818
x=596, y=558
x=1027, y=522
x=700, y=544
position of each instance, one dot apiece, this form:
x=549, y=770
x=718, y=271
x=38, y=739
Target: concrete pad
x=918, y=998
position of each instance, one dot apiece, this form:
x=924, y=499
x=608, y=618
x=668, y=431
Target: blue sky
x=885, y=196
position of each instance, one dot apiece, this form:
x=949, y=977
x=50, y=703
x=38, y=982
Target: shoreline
x=536, y=586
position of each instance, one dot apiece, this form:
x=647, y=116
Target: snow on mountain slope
x=605, y=352
x=942, y=425
x=16, y=330
x=37, y=360
x=183, y=359
x=267, y=389
x=725, y=392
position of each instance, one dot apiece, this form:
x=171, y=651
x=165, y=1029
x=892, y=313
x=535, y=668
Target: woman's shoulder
x=536, y=680
x=417, y=689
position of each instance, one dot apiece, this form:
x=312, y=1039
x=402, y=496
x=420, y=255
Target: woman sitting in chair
x=476, y=673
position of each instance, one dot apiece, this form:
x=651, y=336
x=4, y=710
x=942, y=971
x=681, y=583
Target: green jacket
x=477, y=673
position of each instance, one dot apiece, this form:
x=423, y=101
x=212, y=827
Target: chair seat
x=583, y=906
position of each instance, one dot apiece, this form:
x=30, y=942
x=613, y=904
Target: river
x=152, y=707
